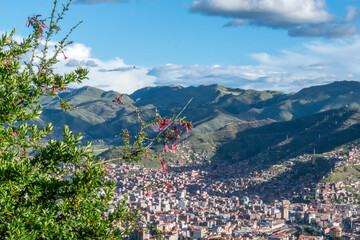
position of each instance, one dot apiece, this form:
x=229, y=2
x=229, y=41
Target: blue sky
x=261, y=44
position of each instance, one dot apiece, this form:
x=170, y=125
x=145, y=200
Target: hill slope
x=212, y=108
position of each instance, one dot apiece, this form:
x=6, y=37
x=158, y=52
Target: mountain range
x=229, y=124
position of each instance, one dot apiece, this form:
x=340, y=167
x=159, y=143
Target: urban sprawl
x=239, y=201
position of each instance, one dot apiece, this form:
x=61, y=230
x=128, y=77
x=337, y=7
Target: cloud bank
x=312, y=64
x=111, y=74
x=316, y=63
x=306, y=18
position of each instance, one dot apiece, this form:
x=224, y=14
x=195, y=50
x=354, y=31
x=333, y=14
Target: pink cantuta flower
x=173, y=147
x=166, y=149
x=54, y=89
x=178, y=136
x=119, y=98
x=180, y=123
x=27, y=23
x=187, y=130
x=138, y=116
x=146, y=155
x=5, y=63
x=128, y=136
x=160, y=128
x=168, y=187
x=167, y=122
x=164, y=168
x=107, y=170
x=14, y=133
x=65, y=56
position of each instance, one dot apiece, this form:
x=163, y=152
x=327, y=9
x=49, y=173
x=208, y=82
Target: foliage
x=311, y=231
x=344, y=174
x=57, y=190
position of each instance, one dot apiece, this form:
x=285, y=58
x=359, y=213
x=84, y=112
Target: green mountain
x=317, y=133
x=225, y=119
x=96, y=116
x=214, y=106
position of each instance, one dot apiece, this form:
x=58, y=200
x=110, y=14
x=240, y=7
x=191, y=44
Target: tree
x=55, y=189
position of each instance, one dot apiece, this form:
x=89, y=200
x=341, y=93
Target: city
x=219, y=202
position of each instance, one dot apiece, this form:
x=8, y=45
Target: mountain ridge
x=213, y=106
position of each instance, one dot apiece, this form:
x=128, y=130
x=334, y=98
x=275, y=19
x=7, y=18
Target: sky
x=283, y=45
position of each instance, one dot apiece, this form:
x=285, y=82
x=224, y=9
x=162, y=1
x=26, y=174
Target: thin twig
x=154, y=139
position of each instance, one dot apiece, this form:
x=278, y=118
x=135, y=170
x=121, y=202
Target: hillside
x=250, y=121
x=273, y=141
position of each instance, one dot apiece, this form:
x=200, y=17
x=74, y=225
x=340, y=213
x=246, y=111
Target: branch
x=153, y=140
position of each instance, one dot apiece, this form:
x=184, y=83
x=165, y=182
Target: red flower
x=65, y=56
x=173, y=147
x=168, y=187
x=164, y=168
x=146, y=155
x=178, y=136
x=187, y=130
x=166, y=149
x=14, y=133
x=119, y=98
x=180, y=122
x=107, y=170
x=138, y=116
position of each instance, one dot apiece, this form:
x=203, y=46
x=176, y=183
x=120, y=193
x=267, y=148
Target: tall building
x=285, y=213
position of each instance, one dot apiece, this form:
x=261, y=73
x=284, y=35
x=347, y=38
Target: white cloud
x=316, y=63
x=313, y=64
x=273, y=13
x=306, y=18
x=352, y=15
x=327, y=30
x=111, y=74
